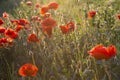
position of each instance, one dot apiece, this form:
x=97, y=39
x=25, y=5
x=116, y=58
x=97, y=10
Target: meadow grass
x=64, y=56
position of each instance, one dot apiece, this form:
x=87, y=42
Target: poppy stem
x=96, y=71
x=33, y=59
x=106, y=70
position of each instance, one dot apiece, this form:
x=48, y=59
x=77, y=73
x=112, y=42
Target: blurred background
x=8, y=5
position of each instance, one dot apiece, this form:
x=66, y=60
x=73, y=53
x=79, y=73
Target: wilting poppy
x=28, y=27
x=28, y=70
x=1, y=22
x=101, y=52
x=33, y=38
x=64, y=29
x=5, y=15
x=91, y=14
x=118, y=16
x=11, y=33
x=36, y=18
x=37, y=5
x=43, y=10
x=29, y=3
x=18, y=28
x=2, y=29
x=53, y=5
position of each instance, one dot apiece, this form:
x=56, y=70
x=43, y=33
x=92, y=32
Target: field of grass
x=62, y=56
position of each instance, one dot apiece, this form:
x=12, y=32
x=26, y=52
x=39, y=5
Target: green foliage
x=64, y=57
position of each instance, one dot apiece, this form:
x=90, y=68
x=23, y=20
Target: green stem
x=96, y=71
x=33, y=59
x=106, y=70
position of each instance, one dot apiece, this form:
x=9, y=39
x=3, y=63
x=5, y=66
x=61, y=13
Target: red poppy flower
x=23, y=22
x=43, y=10
x=111, y=51
x=18, y=28
x=47, y=25
x=6, y=42
x=71, y=26
x=37, y=5
x=64, y=29
x=118, y=16
x=5, y=15
x=3, y=42
x=47, y=31
x=101, y=52
x=1, y=22
x=15, y=21
x=48, y=22
x=2, y=29
x=28, y=70
x=53, y=5
x=29, y=3
x=91, y=14
x=11, y=33
x=33, y=38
